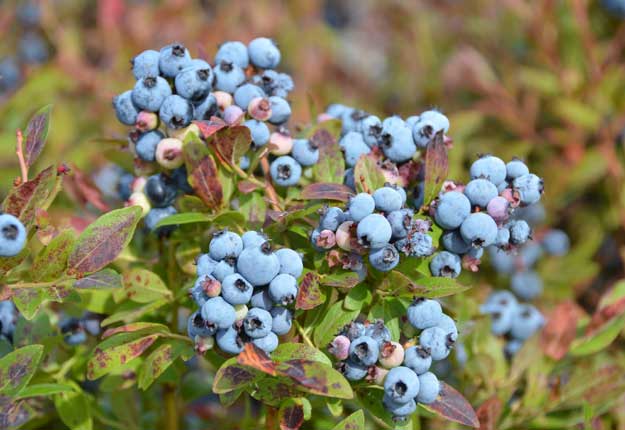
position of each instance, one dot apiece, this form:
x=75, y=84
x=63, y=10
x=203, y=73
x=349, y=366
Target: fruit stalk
x=20, y=155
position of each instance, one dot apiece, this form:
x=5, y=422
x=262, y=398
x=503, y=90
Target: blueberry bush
x=238, y=257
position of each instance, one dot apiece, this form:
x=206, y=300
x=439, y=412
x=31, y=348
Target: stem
x=20, y=155
x=171, y=409
x=169, y=390
x=302, y=333
x=271, y=420
x=171, y=281
x=271, y=192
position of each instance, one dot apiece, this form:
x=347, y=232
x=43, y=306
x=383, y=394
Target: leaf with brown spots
x=450, y=404
x=114, y=359
x=489, y=412
x=145, y=327
x=158, y=361
x=38, y=193
x=433, y=287
x=101, y=242
x=253, y=207
x=331, y=165
x=340, y=280
x=246, y=187
x=256, y=358
x=436, y=167
x=233, y=142
x=202, y=172
x=30, y=297
x=559, y=333
x=142, y=286
x=51, y=261
x=232, y=376
x=17, y=367
x=316, y=378
x=36, y=134
x=291, y=414
x=14, y=414
x=293, y=351
x=103, y=280
x=326, y=191
x=604, y=315
x=309, y=295
x=368, y=176
x=208, y=128
x=82, y=189
x=355, y=421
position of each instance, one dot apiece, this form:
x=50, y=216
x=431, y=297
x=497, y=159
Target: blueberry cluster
x=516, y=321
x=236, y=272
x=286, y=170
x=378, y=224
x=8, y=318
x=75, y=330
x=366, y=351
x=12, y=235
x=478, y=215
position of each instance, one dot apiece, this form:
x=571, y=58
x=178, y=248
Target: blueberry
x=10, y=73
x=282, y=320
x=228, y=76
x=401, y=384
x=125, y=109
x=529, y=254
x=526, y=284
x=258, y=265
x=429, y=388
x=378, y=331
x=223, y=269
x=252, y=239
x=371, y=128
x=501, y=260
x=446, y=264
x=150, y=92
x=355, y=329
x=259, y=131
x=290, y=262
x=124, y=186
x=146, y=64
x=180, y=178
x=176, y=112
x=452, y=241
x=480, y=192
x=502, y=319
x=280, y=110
x=229, y=341
x=196, y=326
x=348, y=178
x=503, y=238
x=353, y=371
x=396, y=142
x=268, y=343
x=236, y=290
x=533, y=214
x=448, y=325
x=257, y=323
x=387, y=199
x=75, y=338
x=245, y=93
x=360, y=206
x=233, y=52
x=263, y=53
x=384, y=259
x=399, y=410
x=206, y=109
x=527, y=321
x=516, y=168
x=161, y=190
x=146, y=144
x=157, y=214
x=354, y=146
x=512, y=347
x=490, y=168
x=204, y=288
x=556, y=242
x=364, y=350
x=428, y=125
x=424, y=313
x=285, y=171
x=33, y=48
x=225, y=244
x=498, y=208
x=418, y=359
x=218, y=313
x=283, y=289
x=331, y=218
x=305, y=152
x=12, y=235
x=28, y=13
x=8, y=317
x=400, y=221
x=337, y=110
x=437, y=342
x=374, y=231
x=452, y=209
x=520, y=231
x=530, y=187
x=498, y=300
x=172, y=59
x=195, y=81
x=418, y=245
x=479, y=229
x=261, y=299
x=419, y=195
x=277, y=84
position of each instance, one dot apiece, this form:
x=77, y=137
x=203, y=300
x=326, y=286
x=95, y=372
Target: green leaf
x=341, y=280
x=233, y=142
x=131, y=315
x=599, y=339
x=36, y=134
x=32, y=332
x=158, y=361
x=358, y=297
x=142, y=286
x=102, y=241
x=103, y=280
x=18, y=367
x=39, y=390
x=30, y=298
x=115, y=358
x=355, y=421
x=400, y=284
x=184, y=218
x=577, y=112
x=335, y=319
x=331, y=165
x=144, y=327
x=368, y=177
x=232, y=376
x=316, y=378
x=74, y=410
x=326, y=191
x=295, y=351
x=254, y=208
x=51, y=262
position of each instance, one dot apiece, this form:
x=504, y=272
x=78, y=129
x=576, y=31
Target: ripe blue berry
x=374, y=231
x=418, y=245
x=305, y=152
x=218, y=313
x=427, y=125
x=424, y=313
x=176, y=112
x=233, y=52
x=400, y=221
x=257, y=323
x=401, y=384
x=331, y=218
x=396, y=142
x=285, y=171
x=556, y=242
x=290, y=262
x=490, y=168
x=173, y=58
x=448, y=325
x=387, y=199
x=378, y=331
x=228, y=76
x=259, y=131
x=229, y=341
x=530, y=187
x=252, y=239
x=283, y=289
x=452, y=241
x=280, y=110
x=354, y=330
x=223, y=269
x=360, y=206
x=516, y=168
x=236, y=290
x=125, y=109
x=263, y=53
x=205, y=109
x=258, y=265
x=526, y=284
x=205, y=265
x=503, y=238
x=371, y=128
x=399, y=410
x=12, y=235
x=418, y=359
x=527, y=321
x=157, y=214
x=446, y=264
x=268, y=343
x=364, y=350
x=520, y=231
x=353, y=146
x=282, y=320
x=452, y=209
x=480, y=192
x=161, y=190
x=195, y=81
x=429, y=387
x=146, y=64
x=261, y=299
x=353, y=371
x=196, y=326
x=225, y=244
x=437, y=342
x=150, y=92
x=245, y=93
x=384, y=259
x=479, y=229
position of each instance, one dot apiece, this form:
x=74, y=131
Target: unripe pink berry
x=280, y=143
x=203, y=344
x=260, y=108
x=233, y=115
x=326, y=239
x=323, y=117
x=343, y=235
x=391, y=354
x=511, y=196
x=377, y=375
x=169, y=153
x=182, y=133
x=339, y=347
x=212, y=287
x=141, y=200
x=146, y=121
x=499, y=209
x=224, y=99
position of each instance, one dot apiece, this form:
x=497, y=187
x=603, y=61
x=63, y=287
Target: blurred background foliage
x=539, y=79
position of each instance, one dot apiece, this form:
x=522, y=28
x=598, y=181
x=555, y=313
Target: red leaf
x=233, y=142
x=604, y=315
x=203, y=174
x=291, y=416
x=309, y=295
x=559, y=333
x=436, y=166
x=326, y=191
x=452, y=405
x=246, y=187
x=489, y=413
x=81, y=187
x=36, y=135
x=23, y=201
x=208, y=128
x=256, y=358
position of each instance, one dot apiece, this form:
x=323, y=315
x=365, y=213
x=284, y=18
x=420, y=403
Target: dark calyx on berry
x=10, y=232
x=149, y=82
x=178, y=50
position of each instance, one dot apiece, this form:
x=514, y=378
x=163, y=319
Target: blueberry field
x=313, y=214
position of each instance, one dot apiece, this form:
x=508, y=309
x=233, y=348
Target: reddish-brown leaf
x=83, y=190
x=604, y=315
x=36, y=134
x=203, y=174
x=291, y=416
x=331, y=165
x=489, y=412
x=436, y=167
x=256, y=358
x=560, y=330
x=246, y=187
x=451, y=405
x=309, y=295
x=208, y=128
x=233, y=142
x=326, y=191
x=23, y=201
